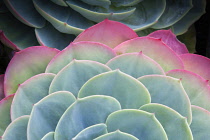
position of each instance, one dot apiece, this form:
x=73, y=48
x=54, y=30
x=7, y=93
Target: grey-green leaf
x=49, y=136
x=138, y=123
x=126, y=89
x=47, y=112
x=83, y=113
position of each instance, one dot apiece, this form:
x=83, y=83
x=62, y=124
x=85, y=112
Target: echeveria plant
x=55, y=23
x=107, y=84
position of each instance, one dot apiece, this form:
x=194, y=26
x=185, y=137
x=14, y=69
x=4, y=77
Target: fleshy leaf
x=13, y=37
x=155, y=49
x=60, y=2
x=29, y=93
x=49, y=36
x=140, y=124
x=66, y=20
x=170, y=40
x=135, y=64
x=193, y=15
x=117, y=135
x=168, y=91
x=83, y=113
x=174, y=11
x=200, y=125
x=17, y=130
x=197, y=64
x=83, y=50
x=26, y=63
x=119, y=3
x=74, y=75
x=144, y=17
x=195, y=86
x=126, y=89
x=28, y=15
x=49, y=136
x=39, y=123
x=5, y=113
x=102, y=3
x=174, y=124
x=91, y=132
x=1, y=86
x=98, y=14
x=107, y=30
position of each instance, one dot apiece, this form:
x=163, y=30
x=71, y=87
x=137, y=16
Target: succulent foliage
x=107, y=85
x=55, y=23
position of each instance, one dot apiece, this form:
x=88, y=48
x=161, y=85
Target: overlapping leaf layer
x=101, y=88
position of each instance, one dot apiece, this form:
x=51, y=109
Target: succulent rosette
x=107, y=84
x=55, y=23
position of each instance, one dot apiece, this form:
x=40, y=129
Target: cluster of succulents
x=107, y=84
x=55, y=23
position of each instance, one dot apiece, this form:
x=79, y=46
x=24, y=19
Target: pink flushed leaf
x=197, y=64
x=155, y=49
x=108, y=32
x=25, y=64
x=196, y=87
x=7, y=42
x=170, y=40
x=5, y=113
x=84, y=50
x=1, y=86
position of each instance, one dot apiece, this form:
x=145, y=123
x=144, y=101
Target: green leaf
x=135, y=64
x=74, y=75
x=29, y=93
x=60, y=2
x=119, y=3
x=83, y=50
x=83, y=113
x=66, y=20
x=200, y=125
x=174, y=11
x=145, y=15
x=39, y=56
x=126, y=89
x=168, y=91
x=98, y=14
x=28, y=15
x=49, y=36
x=174, y=124
x=16, y=38
x=49, y=136
x=5, y=113
x=117, y=135
x=46, y=114
x=102, y=3
x=91, y=132
x=17, y=130
x=140, y=124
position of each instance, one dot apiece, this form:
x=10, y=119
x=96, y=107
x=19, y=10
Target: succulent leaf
x=155, y=49
x=201, y=123
x=135, y=64
x=116, y=135
x=107, y=30
x=174, y=124
x=141, y=124
x=75, y=75
x=91, y=132
x=195, y=86
x=83, y=50
x=170, y=17
x=163, y=89
x=17, y=129
x=118, y=85
x=170, y=40
x=29, y=95
x=45, y=109
x=49, y=136
x=2, y=87
x=31, y=66
x=5, y=113
x=84, y=113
